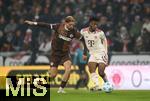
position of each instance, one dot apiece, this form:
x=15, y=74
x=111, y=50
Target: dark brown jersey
x=62, y=37
x=60, y=42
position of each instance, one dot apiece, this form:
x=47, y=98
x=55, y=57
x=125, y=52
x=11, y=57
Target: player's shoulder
x=99, y=30
x=85, y=29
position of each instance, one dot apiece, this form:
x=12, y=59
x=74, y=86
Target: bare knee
x=68, y=69
x=67, y=66
x=53, y=72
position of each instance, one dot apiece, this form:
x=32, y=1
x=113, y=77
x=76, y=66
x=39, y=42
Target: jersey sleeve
x=54, y=26
x=47, y=25
x=82, y=32
x=102, y=35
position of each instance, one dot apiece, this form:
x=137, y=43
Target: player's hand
x=29, y=22
x=84, y=57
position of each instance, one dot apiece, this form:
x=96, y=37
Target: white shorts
x=99, y=58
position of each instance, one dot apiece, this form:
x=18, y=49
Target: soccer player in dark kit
x=64, y=33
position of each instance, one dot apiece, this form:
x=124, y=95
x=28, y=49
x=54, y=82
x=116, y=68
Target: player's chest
x=66, y=35
x=91, y=36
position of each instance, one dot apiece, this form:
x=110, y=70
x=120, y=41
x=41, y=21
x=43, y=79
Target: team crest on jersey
x=71, y=35
x=51, y=64
x=86, y=36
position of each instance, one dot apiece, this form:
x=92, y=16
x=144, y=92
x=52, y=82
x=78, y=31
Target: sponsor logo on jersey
x=71, y=35
x=64, y=38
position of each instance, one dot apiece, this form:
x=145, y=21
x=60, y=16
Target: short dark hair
x=93, y=18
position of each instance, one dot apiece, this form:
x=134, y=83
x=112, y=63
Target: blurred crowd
x=126, y=23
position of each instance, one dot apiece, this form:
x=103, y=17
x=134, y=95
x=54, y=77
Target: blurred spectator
x=146, y=39
x=5, y=45
x=122, y=41
x=138, y=45
x=2, y=40
x=11, y=27
x=27, y=39
x=146, y=24
x=136, y=27
x=124, y=15
x=104, y=23
x=2, y=23
x=17, y=41
x=45, y=46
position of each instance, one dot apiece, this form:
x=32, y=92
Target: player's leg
x=101, y=71
x=67, y=66
x=53, y=72
x=94, y=76
x=92, y=64
x=65, y=78
x=54, y=62
x=83, y=76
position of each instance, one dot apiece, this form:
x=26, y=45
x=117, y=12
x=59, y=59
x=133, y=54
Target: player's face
x=93, y=25
x=70, y=25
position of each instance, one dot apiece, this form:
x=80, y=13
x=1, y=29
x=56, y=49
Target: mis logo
x=27, y=82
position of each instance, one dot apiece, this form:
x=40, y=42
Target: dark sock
x=63, y=84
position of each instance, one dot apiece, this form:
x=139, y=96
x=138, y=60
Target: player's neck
x=91, y=30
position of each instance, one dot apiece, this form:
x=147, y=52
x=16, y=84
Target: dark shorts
x=58, y=58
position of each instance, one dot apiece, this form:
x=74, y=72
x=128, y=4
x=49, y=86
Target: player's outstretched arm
x=40, y=24
x=30, y=22
x=106, y=50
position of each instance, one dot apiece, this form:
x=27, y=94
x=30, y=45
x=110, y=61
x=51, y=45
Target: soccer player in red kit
x=64, y=33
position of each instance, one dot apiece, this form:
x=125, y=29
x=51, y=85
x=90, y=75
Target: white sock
x=94, y=77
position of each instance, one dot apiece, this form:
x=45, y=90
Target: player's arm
x=85, y=51
x=40, y=24
x=84, y=45
x=79, y=36
x=104, y=41
x=105, y=44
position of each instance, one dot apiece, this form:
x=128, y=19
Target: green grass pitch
x=85, y=95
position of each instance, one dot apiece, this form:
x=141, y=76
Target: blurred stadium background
x=126, y=24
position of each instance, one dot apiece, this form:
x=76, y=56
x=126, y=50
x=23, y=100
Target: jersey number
x=91, y=43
